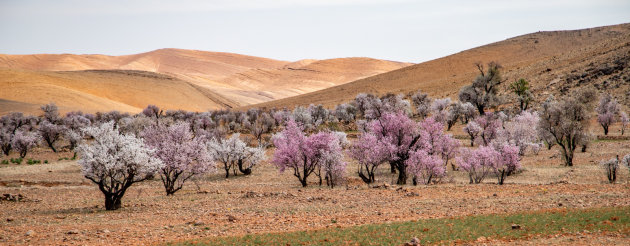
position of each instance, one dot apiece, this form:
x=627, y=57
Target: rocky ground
x=59, y=206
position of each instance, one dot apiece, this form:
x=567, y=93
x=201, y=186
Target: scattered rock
x=231, y=218
x=30, y=233
x=481, y=239
x=414, y=242
x=60, y=217
x=9, y=219
x=559, y=204
x=495, y=194
x=412, y=194
x=516, y=227
x=72, y=232
x=104, y=231
x=198, y=223
x=12, y=198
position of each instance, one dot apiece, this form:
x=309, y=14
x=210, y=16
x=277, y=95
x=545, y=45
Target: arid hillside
x=261, y=85
x=101, y=90
x=186, y=64
x=227, y=80
x=553, y=62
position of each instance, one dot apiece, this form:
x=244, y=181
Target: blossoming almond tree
x=607, y=109
x=425, y=167
x=23, y=142
x=115, y=161
x=370, y=153
x=233, y=153
x=478, y=162
x=305, y=154
x=182, y=155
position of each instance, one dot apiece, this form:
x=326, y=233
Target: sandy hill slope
x=260, y=85
x=231, y=79
x=101, y=90
x=176, y=62
x=553, y=61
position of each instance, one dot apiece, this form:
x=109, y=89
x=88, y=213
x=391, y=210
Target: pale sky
x=400, y=30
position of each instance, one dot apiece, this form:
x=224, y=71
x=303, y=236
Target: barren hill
x=553, y=61
x=176, y=62
x=101, y=90
x=228, y=80
x=260, y=85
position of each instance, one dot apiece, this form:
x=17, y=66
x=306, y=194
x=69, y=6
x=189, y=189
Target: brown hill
x=176, y=62
x=553, y=61
x=261, y=85
x=231, y=79
x=101, y=90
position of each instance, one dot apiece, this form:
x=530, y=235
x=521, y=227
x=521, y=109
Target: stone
x=414, y=242
x=30, y=233
x=198, y=223
x=231, y=218
x=516, y=227
x=71, y=232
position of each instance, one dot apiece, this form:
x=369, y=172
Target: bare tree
x=482, y=93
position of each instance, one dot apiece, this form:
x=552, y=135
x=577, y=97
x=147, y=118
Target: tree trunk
x=605, y=129
x=303, y=182
x=227, y=171
x=50, y=144
x=246, y=171
x=402, y=174
x=501, y=177
x=112, y=202
x=392, y=167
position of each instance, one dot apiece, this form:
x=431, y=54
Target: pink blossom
x=425, y=167
x=304, y=155
x=183, y=156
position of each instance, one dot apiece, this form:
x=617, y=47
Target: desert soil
x=62, y=207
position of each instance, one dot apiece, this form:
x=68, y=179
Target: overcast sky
x=411, y=31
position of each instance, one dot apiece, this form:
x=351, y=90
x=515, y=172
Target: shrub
x=623, y=118
x=5, y=162
x=626, y=161
x=607, y=110
x=522, y=92
x=115, y=161
x=16, y=160
x=610, y=167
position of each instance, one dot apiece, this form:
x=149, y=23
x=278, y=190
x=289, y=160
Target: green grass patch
x=432, y=231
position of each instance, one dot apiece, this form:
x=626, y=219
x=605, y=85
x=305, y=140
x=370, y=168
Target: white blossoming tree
x=233, y=153
x=115, y=161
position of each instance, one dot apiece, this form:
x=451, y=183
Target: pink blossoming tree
x=305, y=154
x=182, y=155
